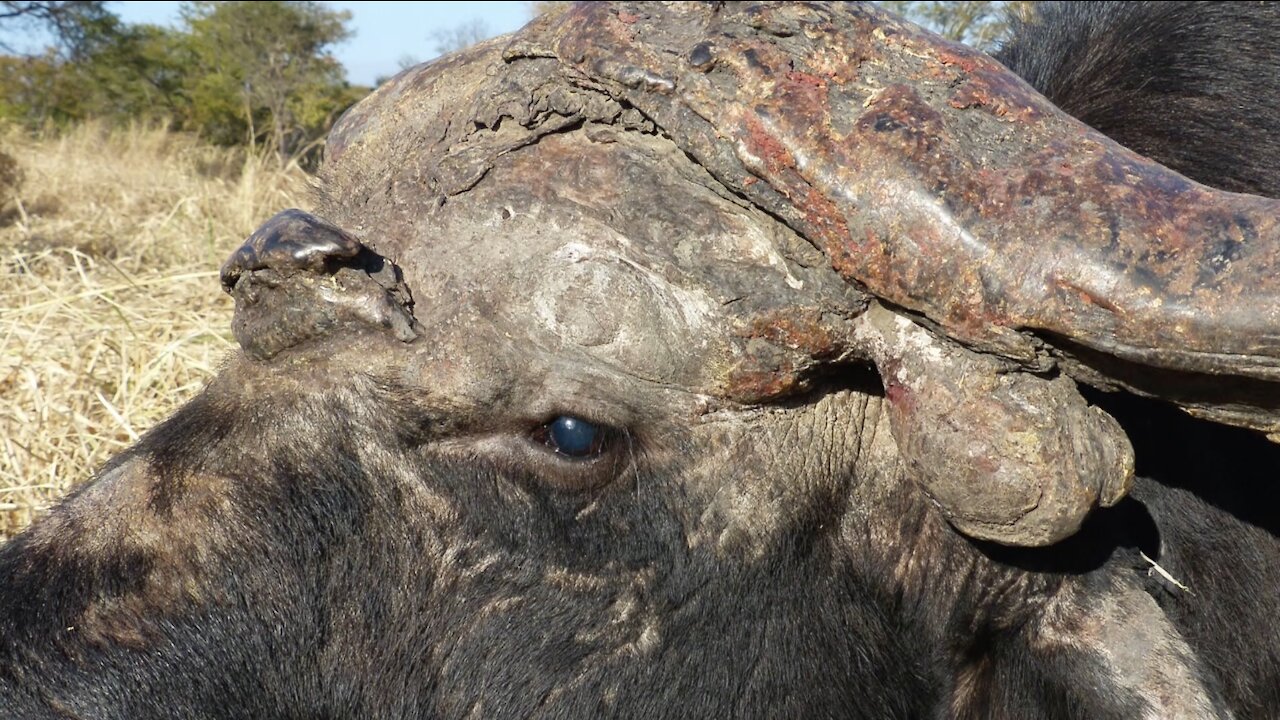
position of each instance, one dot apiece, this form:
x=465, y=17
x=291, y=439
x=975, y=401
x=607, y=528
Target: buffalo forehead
x=607, y=252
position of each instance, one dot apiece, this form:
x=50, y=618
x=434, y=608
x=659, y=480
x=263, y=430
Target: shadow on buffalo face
x=536, y=417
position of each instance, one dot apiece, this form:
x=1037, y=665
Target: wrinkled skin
x=360, y=516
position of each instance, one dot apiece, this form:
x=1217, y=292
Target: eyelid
x=568, y=474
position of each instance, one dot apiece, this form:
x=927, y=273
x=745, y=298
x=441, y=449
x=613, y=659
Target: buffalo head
x=642, y=364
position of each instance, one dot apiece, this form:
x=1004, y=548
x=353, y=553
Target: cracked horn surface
x=517, y=199
x=937, y=180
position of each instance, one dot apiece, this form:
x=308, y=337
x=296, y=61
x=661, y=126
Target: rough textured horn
x=937, y=180
x=986, y=245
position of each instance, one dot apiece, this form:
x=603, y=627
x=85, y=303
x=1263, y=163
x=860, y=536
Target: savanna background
x=133, y=159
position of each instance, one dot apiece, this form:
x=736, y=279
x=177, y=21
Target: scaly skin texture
x=1010, y=457
x=360, y=518
x=936, y=180
x=788, y=316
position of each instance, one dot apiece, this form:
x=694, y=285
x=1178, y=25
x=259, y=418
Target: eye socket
x=572, y=437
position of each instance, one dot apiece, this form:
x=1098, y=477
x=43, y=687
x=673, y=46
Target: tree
x=264, y=71
x=76, y=26
x=97, y=66
x=237, y=72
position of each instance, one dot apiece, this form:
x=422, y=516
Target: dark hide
x=1191, y=85
x=298, y=542
x=307, y=591
x=1196, y=87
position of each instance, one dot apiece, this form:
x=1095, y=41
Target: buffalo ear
x=298, y=278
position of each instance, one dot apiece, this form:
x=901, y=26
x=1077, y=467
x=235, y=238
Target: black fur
x=1195, y=86
x=308, y=552
x=1215, y=510
x=1191, y=84
x=315, y=596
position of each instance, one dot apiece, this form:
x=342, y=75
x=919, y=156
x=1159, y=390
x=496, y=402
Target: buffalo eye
x=572, y=437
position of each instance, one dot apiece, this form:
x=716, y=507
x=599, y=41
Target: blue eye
x=573, y=436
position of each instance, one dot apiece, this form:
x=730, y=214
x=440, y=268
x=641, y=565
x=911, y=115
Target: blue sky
x=385, y=32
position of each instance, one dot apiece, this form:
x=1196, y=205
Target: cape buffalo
x=576, y=398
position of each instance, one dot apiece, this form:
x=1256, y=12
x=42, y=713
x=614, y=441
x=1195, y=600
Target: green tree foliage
x=252, y=73
x=105, y=69
x=264, y=71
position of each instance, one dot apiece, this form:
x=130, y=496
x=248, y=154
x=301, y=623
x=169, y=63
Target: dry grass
x=110, y=311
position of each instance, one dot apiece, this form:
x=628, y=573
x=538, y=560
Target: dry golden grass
x=110, y=309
